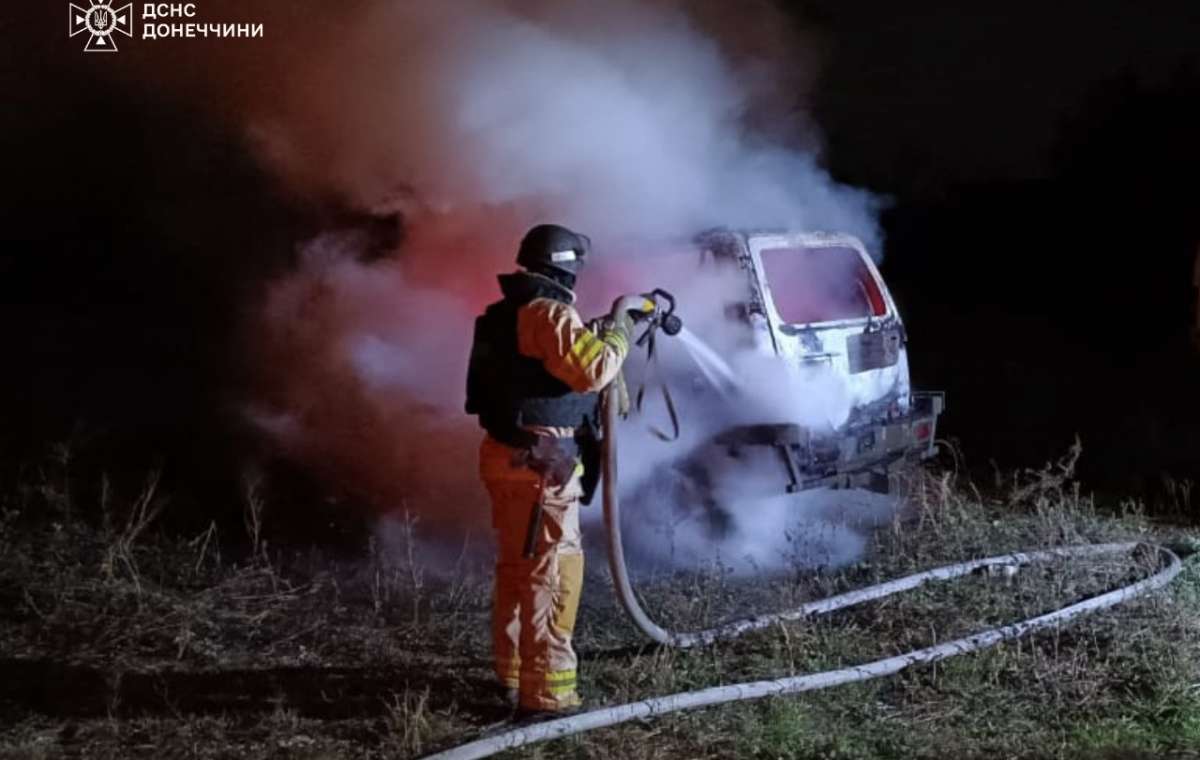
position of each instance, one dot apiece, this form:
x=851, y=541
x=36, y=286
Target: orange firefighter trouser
x=536, y=598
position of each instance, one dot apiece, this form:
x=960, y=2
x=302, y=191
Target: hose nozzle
x=671, y=324
x=664, y=311
x=656, y=309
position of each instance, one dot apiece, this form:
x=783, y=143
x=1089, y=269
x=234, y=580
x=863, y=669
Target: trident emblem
x=100, y=20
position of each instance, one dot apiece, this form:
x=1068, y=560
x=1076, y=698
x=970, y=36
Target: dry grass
x=119, y=641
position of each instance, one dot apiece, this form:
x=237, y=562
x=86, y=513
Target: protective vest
x=508, y=390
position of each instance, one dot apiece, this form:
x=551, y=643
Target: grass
x=120, y=640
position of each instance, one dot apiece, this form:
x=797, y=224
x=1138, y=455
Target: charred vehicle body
x=821, y=300
x=811, y=305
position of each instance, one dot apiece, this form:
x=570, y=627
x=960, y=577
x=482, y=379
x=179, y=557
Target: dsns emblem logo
x=100, y=20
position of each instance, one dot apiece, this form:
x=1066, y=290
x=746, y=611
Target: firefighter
x=535, y=374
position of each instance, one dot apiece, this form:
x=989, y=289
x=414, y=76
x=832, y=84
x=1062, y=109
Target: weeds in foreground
x=407, y=720
x=252, y=514
x=146, y=508
x=179, y=646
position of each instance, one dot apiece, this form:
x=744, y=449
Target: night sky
x=944, y=92
x=1039, y=159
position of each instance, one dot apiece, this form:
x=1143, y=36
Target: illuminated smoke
x=471, y=121
x=741, y=515
x=621, y=117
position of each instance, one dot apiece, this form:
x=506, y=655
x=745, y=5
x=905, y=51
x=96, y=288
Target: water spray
x=714, y=368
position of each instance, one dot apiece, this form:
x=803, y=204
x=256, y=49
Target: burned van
x=817, y=300
x=796, y=376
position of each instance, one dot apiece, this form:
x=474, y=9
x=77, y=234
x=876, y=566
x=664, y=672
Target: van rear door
x=828, y=308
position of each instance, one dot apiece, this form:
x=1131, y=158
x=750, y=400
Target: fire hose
x=609, y=716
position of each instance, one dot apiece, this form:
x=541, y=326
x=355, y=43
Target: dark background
x=1041, y=165
x=1043, y=161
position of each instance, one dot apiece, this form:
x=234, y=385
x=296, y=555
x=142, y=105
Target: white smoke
x=738, y=508
x=630, y=120
x=621, y=118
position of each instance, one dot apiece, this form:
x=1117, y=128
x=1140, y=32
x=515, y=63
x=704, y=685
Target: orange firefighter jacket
x=554, y=333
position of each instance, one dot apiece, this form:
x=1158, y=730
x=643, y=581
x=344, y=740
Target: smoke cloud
x=723, y=373
x=635, y=121
x=624, y=118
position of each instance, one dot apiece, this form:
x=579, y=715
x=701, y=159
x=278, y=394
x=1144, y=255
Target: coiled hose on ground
x=609, y=716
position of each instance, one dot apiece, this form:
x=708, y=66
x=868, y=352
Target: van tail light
x=874, y=293
x=923, y=431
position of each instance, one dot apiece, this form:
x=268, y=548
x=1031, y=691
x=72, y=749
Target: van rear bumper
x=856, y=456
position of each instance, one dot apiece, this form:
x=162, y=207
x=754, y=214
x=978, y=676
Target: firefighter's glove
x=627, y=309
x=634, y=306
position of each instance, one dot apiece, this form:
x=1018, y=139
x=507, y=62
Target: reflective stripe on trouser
x=536, y=599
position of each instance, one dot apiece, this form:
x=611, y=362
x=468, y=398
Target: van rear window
x=824, y=284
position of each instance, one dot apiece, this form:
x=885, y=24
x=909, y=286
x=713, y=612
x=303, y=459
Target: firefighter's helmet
x=549, y=245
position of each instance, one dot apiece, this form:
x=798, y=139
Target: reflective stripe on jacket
x=554, y=333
